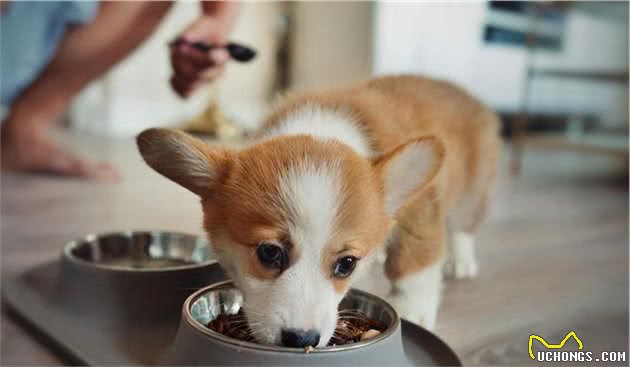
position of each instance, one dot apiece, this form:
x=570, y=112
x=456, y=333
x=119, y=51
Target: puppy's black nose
x=300, y=338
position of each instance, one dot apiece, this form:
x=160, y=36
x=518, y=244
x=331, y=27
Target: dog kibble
x=234, y=326
x=350, y=329
x=370, y=334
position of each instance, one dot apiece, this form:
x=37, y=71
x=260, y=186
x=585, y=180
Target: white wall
x=437, y=39
x=331, y=43
x=246, y=89
x=444, y=40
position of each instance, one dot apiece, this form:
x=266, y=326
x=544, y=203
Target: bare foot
x=29, y=150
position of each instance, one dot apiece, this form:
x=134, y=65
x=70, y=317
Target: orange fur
x=240, y=201
x=395, y=110
x=246, y=208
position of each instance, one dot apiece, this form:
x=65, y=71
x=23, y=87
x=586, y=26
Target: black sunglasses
x=238, y=52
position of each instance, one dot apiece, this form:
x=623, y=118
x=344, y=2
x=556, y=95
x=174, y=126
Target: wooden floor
x=553, y=254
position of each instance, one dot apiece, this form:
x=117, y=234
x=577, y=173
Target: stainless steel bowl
x=195, y=344
x=140, y=251
x=134, y=275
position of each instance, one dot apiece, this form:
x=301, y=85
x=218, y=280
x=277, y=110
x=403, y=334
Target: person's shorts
x=30, y=33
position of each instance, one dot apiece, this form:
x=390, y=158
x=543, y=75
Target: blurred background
x=554, y=253
x=563, y=65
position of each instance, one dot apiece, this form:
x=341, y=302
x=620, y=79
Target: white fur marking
x=311, y=195
x=323, y=123
x=463, y=256
x=417, y=297
x=405, y=172
x=306, y=296
x=303, y=296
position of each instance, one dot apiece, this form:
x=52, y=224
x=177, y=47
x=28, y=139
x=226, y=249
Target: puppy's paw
x=416, y=311
x=417, y=296
x=422, y=311
x=461, y=268
x=462, y=262
x=466, y=268
x=426, y=319
x=402, y=305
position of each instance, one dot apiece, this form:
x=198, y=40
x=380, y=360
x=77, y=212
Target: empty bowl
x=139, y=275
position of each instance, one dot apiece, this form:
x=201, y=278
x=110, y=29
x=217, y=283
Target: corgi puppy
x=296, y=216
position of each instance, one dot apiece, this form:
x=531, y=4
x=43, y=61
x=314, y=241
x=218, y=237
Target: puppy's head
x=293, y=219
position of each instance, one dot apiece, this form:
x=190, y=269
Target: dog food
x=234, y=326
x=350, y=328
x=369, y=334
x=353, y=329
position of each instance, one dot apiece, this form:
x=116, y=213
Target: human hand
x=193, y=67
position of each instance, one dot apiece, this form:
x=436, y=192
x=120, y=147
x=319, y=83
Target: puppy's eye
x=345, y=266
x=272, y=255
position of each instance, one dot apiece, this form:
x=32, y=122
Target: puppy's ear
x=408, y=169
x=186, y=160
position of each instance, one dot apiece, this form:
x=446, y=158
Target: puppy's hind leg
x=414, y=265
x=462, y=260
x=470, y=212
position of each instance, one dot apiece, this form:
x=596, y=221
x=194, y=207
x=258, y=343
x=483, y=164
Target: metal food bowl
x=140, y=251
x=116, y=299
x=143, y=275
x=195, y=344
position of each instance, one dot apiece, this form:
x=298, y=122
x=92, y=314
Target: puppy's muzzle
x=300, y=338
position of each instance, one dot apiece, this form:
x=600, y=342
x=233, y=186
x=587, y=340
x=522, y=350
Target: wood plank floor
x=553, y=254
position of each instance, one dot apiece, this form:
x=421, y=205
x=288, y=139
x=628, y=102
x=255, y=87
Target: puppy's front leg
x=414, y=262
x=417, y=296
